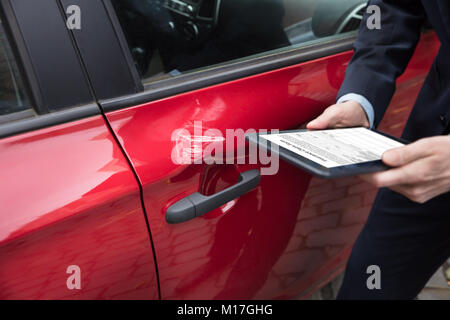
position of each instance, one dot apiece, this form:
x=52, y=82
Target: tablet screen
x=335, y=147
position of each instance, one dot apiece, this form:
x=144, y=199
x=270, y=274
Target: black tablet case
x=317, y=169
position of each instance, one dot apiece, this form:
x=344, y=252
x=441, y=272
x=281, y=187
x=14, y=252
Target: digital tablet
x=330, y=153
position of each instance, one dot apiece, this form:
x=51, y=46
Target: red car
x=91, y=94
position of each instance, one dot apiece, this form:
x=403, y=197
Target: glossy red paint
x=290, y=234
x=68, y=197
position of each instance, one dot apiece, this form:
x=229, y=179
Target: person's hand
x=342, y=115
x=422, y=169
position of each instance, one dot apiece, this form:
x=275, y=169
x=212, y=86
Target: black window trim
x=48, y=120
x=123, y=44
x=99, y=37
x=19, y=115
x=76, y=109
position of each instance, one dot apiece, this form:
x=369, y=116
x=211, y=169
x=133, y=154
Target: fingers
x=412, y=173
x=389, y=178
x=421, y=193
x=326, y=120
x=400, y=156
x=421, y=172
x=346, y=114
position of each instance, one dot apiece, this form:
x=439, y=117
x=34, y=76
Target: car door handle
x=197, y=204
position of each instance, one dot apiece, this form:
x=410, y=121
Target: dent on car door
x=206, y=74
x=71, y=222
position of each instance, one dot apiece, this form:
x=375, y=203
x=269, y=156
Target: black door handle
x=197, y=204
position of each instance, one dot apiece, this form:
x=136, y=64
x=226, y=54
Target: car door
x=203, y=73
x=71, y=221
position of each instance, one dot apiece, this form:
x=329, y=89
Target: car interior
x=169, y=37
x=12, y=91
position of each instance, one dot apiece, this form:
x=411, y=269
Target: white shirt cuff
x=367, y=106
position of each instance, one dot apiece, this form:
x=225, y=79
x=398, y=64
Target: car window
x=14, y=102
x=171, y=37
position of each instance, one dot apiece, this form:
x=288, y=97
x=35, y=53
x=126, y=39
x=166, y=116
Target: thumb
x=327, y=119
x=403, y=155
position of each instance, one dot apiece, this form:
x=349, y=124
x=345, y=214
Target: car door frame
x=69, y=102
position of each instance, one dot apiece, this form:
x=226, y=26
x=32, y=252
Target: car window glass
x=14, y=102
x=172, y=37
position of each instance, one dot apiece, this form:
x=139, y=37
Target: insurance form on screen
x=337, y=147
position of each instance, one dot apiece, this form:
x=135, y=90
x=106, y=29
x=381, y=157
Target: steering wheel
x=174, y=24
x=333, y=17
x=194, y=19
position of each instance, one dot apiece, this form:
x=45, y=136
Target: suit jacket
x=382, y=55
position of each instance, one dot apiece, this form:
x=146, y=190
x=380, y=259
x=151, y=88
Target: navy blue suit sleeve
x=381, y=55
